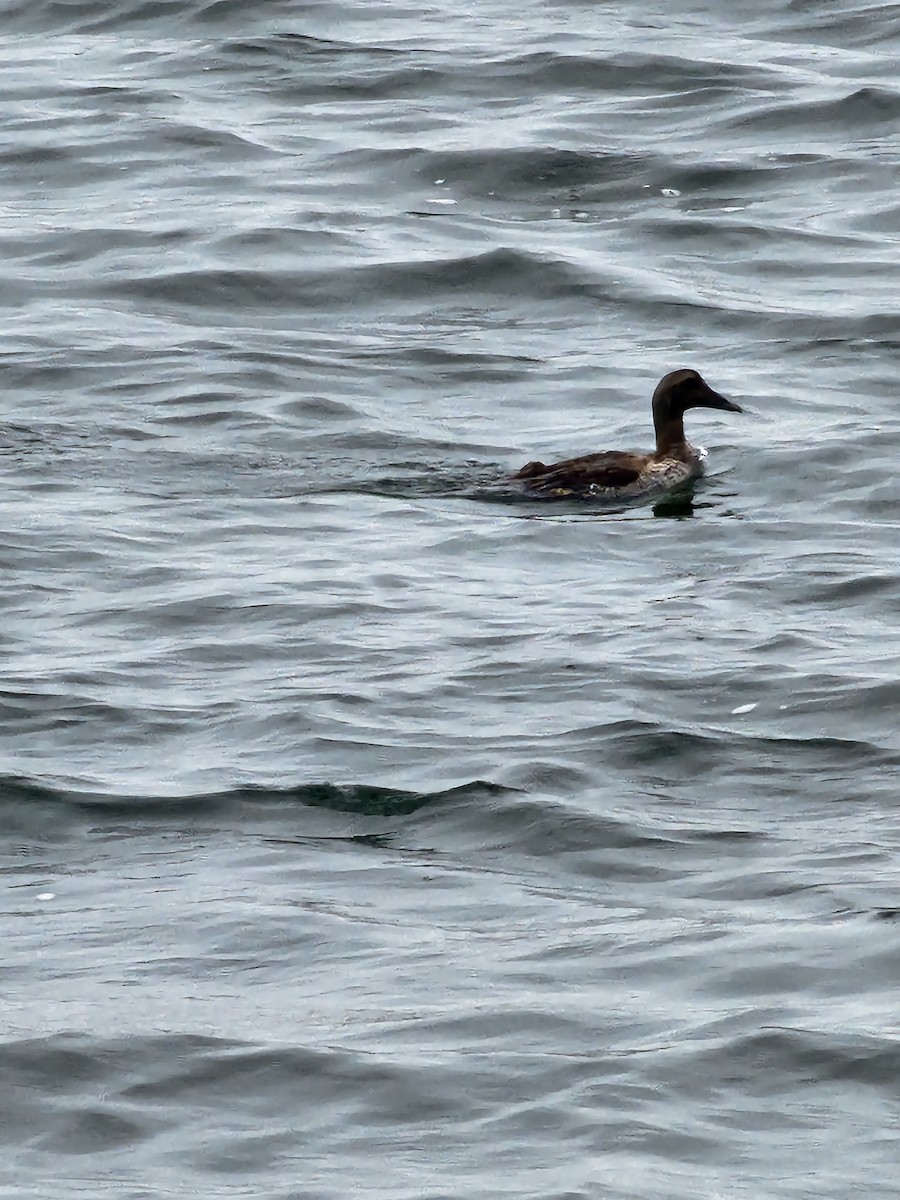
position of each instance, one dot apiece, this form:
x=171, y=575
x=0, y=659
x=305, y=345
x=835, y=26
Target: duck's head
x=680, y=390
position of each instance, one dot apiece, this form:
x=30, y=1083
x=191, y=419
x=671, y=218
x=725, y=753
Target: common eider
x=614, y=474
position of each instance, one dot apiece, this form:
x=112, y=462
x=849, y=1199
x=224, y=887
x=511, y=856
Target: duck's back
x=611, y=470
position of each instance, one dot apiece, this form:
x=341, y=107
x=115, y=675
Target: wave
x=360, y=799
x=769, y=1059
x=866, y=108
x=510, y=274
x=852, y=23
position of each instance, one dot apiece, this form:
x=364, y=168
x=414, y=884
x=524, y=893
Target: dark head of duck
x=675, y=394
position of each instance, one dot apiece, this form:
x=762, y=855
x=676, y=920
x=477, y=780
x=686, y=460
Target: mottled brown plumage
x=614, y=473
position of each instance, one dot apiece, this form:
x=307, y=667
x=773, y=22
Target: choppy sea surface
x=368, y=828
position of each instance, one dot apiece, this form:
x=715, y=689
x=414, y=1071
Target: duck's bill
x=714, y=400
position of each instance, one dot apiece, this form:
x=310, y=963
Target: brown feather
x=529, y=470
x=611, y=469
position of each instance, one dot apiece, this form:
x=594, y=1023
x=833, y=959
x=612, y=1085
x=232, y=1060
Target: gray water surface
x=369, y=829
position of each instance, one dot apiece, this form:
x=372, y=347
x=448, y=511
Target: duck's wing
x=611, y=469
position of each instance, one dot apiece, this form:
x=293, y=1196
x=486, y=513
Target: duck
x=615, y=474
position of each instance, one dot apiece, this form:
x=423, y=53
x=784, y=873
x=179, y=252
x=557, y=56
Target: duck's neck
x=670, y=439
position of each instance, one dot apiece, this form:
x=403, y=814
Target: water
x=369, y=828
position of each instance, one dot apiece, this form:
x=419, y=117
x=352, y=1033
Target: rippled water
x=372, y=829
